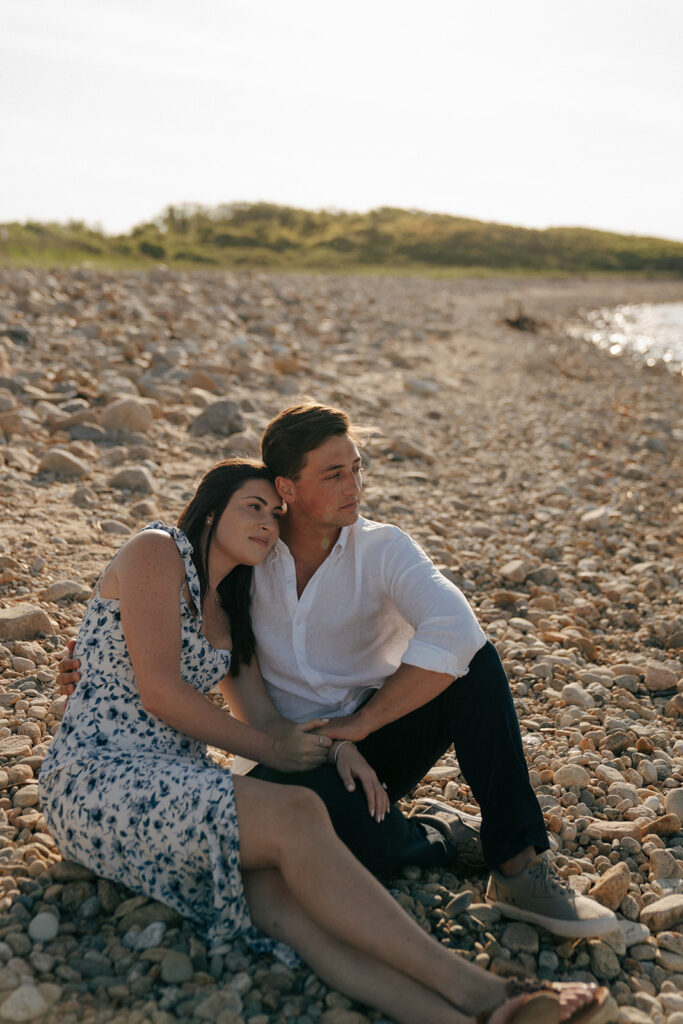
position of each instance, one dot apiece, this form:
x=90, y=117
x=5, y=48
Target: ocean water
x=652, y=333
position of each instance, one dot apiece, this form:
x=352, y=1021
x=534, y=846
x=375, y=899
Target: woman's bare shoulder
x=151, y=552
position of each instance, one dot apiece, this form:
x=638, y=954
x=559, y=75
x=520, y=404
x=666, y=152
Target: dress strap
x=185, y=552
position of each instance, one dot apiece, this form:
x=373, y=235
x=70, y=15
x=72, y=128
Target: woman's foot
x=574, y=1003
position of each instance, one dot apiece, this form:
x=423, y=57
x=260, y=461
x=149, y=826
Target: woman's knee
x=303, y=807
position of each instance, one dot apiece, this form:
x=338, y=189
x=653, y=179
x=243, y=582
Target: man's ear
x=285, y=487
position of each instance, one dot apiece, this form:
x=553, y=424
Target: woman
x=128, y=791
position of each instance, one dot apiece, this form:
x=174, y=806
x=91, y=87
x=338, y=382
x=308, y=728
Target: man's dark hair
x=210, y=499
x=295, y=432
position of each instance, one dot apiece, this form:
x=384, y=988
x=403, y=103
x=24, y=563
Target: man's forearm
x=409, y=688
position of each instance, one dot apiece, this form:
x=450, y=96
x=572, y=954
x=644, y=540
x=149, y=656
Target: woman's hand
x=296, y=747
x=68, y=671
x=353, y=767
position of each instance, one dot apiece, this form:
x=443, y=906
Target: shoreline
x=537, y=471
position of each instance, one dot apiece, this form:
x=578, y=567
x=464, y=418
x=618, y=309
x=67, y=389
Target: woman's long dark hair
x=210, y=499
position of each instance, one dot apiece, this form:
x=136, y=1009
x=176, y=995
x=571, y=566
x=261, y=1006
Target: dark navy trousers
x=476, y=714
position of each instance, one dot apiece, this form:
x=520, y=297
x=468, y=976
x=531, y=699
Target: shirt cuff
x=436, y=659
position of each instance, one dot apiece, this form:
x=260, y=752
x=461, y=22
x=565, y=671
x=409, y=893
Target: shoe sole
x=473, y=821
x=566, y=929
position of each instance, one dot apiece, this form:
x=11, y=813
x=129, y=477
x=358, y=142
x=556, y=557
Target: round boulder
x=127, y=414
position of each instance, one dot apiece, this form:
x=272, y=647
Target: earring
x=209, y=520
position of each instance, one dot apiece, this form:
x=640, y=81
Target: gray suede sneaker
x=461, y=830
x=540, y=896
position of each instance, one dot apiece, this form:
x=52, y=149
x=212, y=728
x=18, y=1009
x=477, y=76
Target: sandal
x=543, y=1004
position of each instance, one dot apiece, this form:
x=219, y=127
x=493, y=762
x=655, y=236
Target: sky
x=537, y=113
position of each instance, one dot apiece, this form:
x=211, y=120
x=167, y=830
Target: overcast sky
x=540, y=112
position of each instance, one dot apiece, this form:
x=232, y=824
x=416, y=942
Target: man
x=353, y=622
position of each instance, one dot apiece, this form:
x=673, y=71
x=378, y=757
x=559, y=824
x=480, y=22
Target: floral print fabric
x=133, y=799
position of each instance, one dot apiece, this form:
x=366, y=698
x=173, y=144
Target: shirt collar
x=280, y=548
x=342, y=540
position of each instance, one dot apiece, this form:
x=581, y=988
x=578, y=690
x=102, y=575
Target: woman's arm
x=249, y=702
x=148, y=575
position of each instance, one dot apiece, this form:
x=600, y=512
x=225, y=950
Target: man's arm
x=447, y=636
x=409, y=688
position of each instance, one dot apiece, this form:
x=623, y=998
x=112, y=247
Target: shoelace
x=544, y=877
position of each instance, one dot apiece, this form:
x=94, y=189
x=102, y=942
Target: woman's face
x=249, y=525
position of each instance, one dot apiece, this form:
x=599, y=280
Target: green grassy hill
x=281, y=237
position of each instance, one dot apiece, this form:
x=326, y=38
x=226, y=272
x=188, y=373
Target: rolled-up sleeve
x=447, y=634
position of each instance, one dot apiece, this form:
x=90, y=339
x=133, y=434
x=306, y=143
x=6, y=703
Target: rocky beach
x=541, y=475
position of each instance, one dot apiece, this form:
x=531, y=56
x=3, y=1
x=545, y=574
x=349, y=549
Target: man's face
x=327, y=490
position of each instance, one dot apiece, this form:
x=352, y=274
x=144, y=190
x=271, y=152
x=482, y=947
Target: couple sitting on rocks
x=374, y=664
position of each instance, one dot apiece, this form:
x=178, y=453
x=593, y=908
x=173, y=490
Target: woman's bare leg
x=289, y=829
x=275, y=911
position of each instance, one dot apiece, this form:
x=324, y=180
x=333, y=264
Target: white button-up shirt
x=375, y=602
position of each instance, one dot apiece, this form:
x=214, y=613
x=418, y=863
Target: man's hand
x=347, y=727
x=298, y=747
x=353, y=767
x=68, y=671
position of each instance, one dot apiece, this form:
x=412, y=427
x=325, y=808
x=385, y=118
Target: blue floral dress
x=133, y=799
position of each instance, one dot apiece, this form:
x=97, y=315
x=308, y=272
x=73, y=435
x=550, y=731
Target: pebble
x=571, y=775
x=24, y=622
x=65, y=590
x=520, y=938
x=43, y=927
x=176, y=967
x=663, y=914
x=127, y=414
x=673, y=802
x=133, y=478
x=64, y=464
x=611, y=888
x=222, y=417
x=26, y=1003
